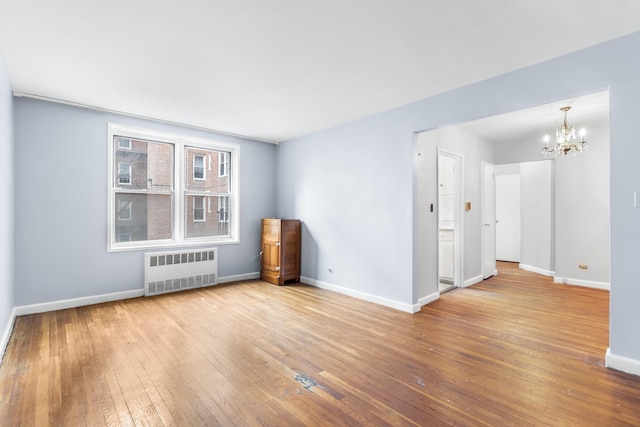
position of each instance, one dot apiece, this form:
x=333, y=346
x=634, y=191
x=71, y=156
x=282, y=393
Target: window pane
x=197, y=207
x=143, y=217
x=201, y=170
x=144, y=165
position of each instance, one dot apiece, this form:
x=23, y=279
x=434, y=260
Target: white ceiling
x=587, y=112
x=278, y=69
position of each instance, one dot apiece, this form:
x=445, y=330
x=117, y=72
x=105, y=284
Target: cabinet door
x=270, y=265
x=290, y=254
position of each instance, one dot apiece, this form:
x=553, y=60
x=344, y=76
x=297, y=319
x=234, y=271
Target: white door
x=488, y=220
x=508, y=217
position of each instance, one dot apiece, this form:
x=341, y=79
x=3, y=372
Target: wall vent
x=175, y=271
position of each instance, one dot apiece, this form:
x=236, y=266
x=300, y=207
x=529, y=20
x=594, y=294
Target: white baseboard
x=621, y=363
x=472, y=281
x=76, y=302
x=239, y=277
x=97, y=299
x=427, y=299
x=408, y=308
x=7, y=334
x=536, y=270
x=586, y=283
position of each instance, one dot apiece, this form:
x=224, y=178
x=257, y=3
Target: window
x=124, y=143
x=124, y=173
x=198, y=167
x=223, y=169
x=198, y=208
x=160, y=192
x=124, y=209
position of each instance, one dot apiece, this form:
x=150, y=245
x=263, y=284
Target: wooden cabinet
x=280, y=251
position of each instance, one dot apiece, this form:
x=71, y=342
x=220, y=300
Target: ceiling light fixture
x=564, y=140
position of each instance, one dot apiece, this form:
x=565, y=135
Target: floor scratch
x=306, y=382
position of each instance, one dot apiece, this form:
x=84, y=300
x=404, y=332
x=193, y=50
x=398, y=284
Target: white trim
x=579, y=282
x=408, y=308
x=472, y=281
x=536, y=270
x=427, y=300
x=621, y=363
x=76, y=302
x=239, y=277
x=6, y=336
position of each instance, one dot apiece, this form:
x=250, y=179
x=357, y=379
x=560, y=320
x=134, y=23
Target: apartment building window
x=198, y=167
x=124, y=210
x=124, y=143
x=124, y=173
x=160, y=192
x=198, y=209
x=223, y=169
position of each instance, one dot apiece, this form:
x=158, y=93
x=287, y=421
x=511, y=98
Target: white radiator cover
x=175, y=271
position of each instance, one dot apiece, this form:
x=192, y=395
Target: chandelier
x=565, y=138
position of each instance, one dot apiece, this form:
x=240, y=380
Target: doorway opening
x=449, y=220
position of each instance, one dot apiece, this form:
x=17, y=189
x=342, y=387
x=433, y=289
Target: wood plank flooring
x=515, y=350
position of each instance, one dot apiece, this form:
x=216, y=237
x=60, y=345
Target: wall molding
x=621, y=363
x=76, y=302
x=6, y=335
x=472, y=281
x=536, y=270
x=408, y=308
x=239, y=277
x=427, y=300
x=586, y=283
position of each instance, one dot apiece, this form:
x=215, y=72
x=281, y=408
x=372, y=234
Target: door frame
x=488, y=220
x=458, y=229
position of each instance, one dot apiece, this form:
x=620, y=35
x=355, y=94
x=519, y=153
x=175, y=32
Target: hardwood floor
x=514, y=350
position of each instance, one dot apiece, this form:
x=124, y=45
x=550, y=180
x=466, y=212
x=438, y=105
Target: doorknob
x=487, y=225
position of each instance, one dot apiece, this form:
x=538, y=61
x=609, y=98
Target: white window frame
x=202, y=208
x=130, y=171
x=204, y=167
x=223, y=164
x=178, y=192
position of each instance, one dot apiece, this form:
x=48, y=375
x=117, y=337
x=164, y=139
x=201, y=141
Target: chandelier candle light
x=564, y=140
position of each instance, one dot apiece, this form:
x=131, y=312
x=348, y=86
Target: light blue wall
x=6, y=203
x=352, y=185
x=61, y=204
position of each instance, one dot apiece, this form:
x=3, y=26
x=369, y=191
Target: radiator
x=175, y=271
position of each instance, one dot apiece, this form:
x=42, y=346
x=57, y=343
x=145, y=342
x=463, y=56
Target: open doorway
x=569, y=240
x=449, y=220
